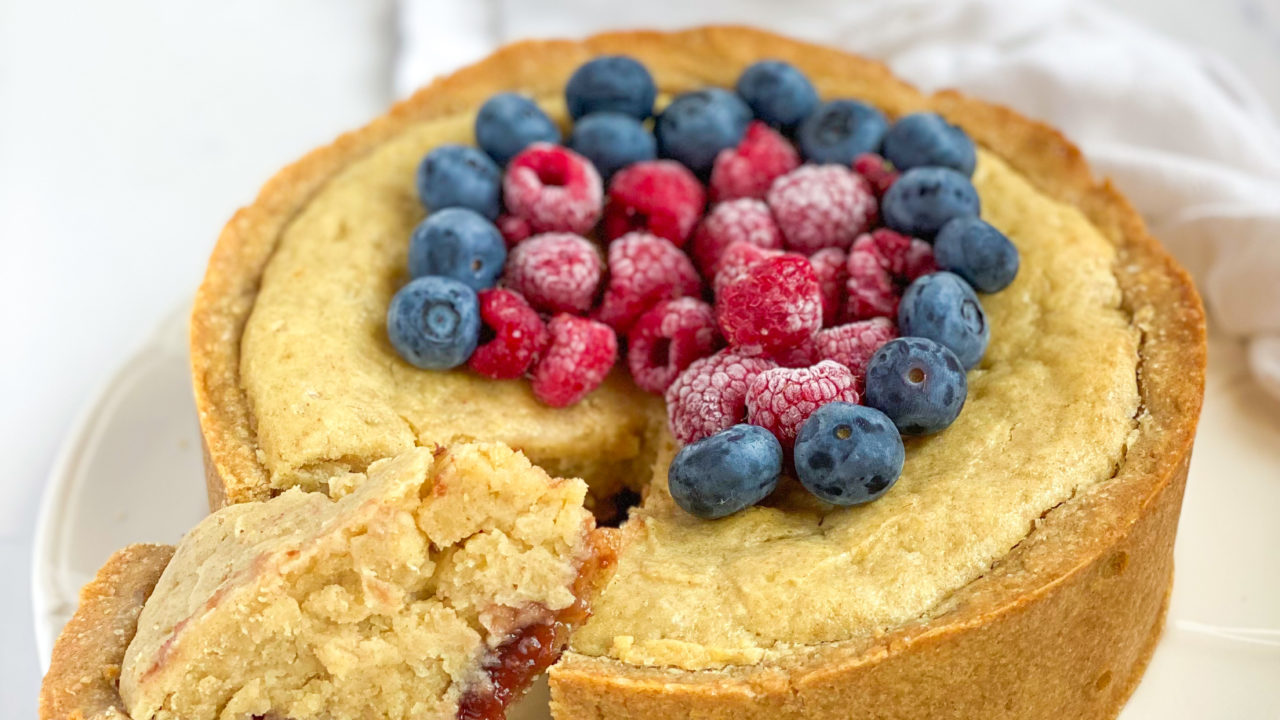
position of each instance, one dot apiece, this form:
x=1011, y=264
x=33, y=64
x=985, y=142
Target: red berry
x=797, y=356
x=852, y=345
x=667, y=338
x=658, y=196
x=556, y=272
x=748, y=170
x=578, y=359
x=519, y=335
x=736, y=259
x=878, y=172
x=514, y=229
x=830, y=265
x=881, y=263
x=710, y=395
x=745, y=220
x=776, y=304
x=918, y=260
x=820, y=206
x=643, y=270
x=554, y=189
x=781, y=399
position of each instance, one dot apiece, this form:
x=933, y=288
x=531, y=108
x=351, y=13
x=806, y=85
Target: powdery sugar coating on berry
x=781, y=399
x=775, y=305
x=736, y=259
x=831, y=267
x=878, y=172
x=748, y=170
x=745, y=220
x=519, y=335
x=710, y=395
x=667, y=338
x=853, y=344
x=556, y=272
x=660, y=197
x=514, y=229
x=554, y=189
x=643, y=270
x=881, y=263
x=578, y=359
x=821, y=206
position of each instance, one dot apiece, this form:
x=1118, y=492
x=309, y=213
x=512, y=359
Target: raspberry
x=852, y=345
x=556, y=272
x=781, y=399
x=880, y=264
x=878, y=172
x=711, y=394
x=748, y=170
x=514, y=229
x=797, y=356
x=774, y=305
x=819, y=206
x=519, y=335
x=917, y=260
x=659, y=196
x=745, y=220
x=554, y=188
x=736, y=259
x=830, y=265
x=644, y=269
x=667, y=338
x=579, y=357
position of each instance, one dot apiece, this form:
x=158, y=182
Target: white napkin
x=1192, y=144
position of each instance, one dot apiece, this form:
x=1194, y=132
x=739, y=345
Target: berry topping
x=726, y=472
x=697, y=125
x=776, y=304
x=612, y=141
x=853, y=344
x=778, y=93
x=576, y=361
x=514, y=229
x=918, y=383
x=797, y=356
x=659, y=196
x=611, y=83
x=977, y=252
x=781, y=399
x=870, y=290
x=556, y=272
x=921, y=139
x=943, y=308
x=925, y=198
x=643, y=270
x=745, y=220
x=841, y=130
x=518, y=335
x=508, y=123
x=554, y=188
x=460, y=244
x=736, y=259
x=667, y=338
x=848, y=454
x=820, y=206
x=877, y=171
x=711, y=394
x=434, y=322
x=747, y=171
x=460, y=176
x=831, y=267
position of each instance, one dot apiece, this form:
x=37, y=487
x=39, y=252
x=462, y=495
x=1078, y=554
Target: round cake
x=1020, y=566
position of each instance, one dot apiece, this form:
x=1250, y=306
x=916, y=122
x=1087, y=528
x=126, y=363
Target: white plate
x=130, y=471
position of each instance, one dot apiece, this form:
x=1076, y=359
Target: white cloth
x=1192, y=144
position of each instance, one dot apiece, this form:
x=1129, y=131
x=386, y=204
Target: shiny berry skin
x=820, y=206
x=612, y=141
x=644, y=269
x=853, y=344
x=457, y=243
x=518, y=335
x=943, y=308
x=918, y=383
x=658, y=196
x=576, y=361
x=697, y=125
x=977, y=252
x=777, y=93
x=748, y=170
x=611, y=83
x=877, y=171
x=711, y=394
x=743, y=220
x=460, y=176
x=434, y=322
x=508, y=123
x=848, y=454
x=781, y=399
x=719, y=475
x=776, y=304
x=554, y=188
x=667, y=339
x=924, y=139
x=555, y=272
x=926, y=198
x=841, y=130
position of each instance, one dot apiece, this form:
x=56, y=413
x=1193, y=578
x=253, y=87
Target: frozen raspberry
x=881, y=263
x=748, y=170
x=820, y=206
x=643, y=270
x=797, y=356
x=736, y=259
x=554, y=188
x=830, y=265
x=904, y=257
x=878, y=172
x=579, y=357
x=518, y=335
x=775, y=305
x=711, y=394
x=853, y=344
x=556, y=272
x=917, y=260
x=659, y=196
x=745, y=220
x=781, y=399
x=667, y=338
x=514, y=229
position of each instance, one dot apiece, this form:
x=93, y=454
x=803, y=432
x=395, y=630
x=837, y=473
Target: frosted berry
x=797, y=356
x=853, y=344
x=736, y=259
x=744, y=220
x=878, y=172
x=554, y=188
x=667, y=338
x=831, y=267
x=514, y=229
x=880, y=264
x=517, y=334
x=774, y=305
x=660, y=197
x=643, y=270
x=820, y=206
x=711, y=394
x=747, y=171
x=781, y=399
x=556, y=272
x=577, y=360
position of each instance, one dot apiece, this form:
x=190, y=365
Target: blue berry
x=611, y=141
x=848, y=454
x=508, y=123
x=611, y=83
x=434, y=322
x=778, y=94
x=926, y=198
x=973, y=249
x=460, y=244
x=726, y=472
x=460, y=176
x=918, y=383
x=943, y=308
x=923, y=139
x=841, y=130
x=697, y=125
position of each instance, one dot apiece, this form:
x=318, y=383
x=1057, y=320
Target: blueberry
x=841, y=130
x=697, y=125
x=458, y=243
x=611, y=83
x=918, y=383
x=726, y=472
x=848, y=454
x=922, y=139
x=460, y=176
x=778, y=93
x=977, y=252
x=612, y=141
x=434, y=322
x=508, y=123
x=943, y=308
x=925, y=198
